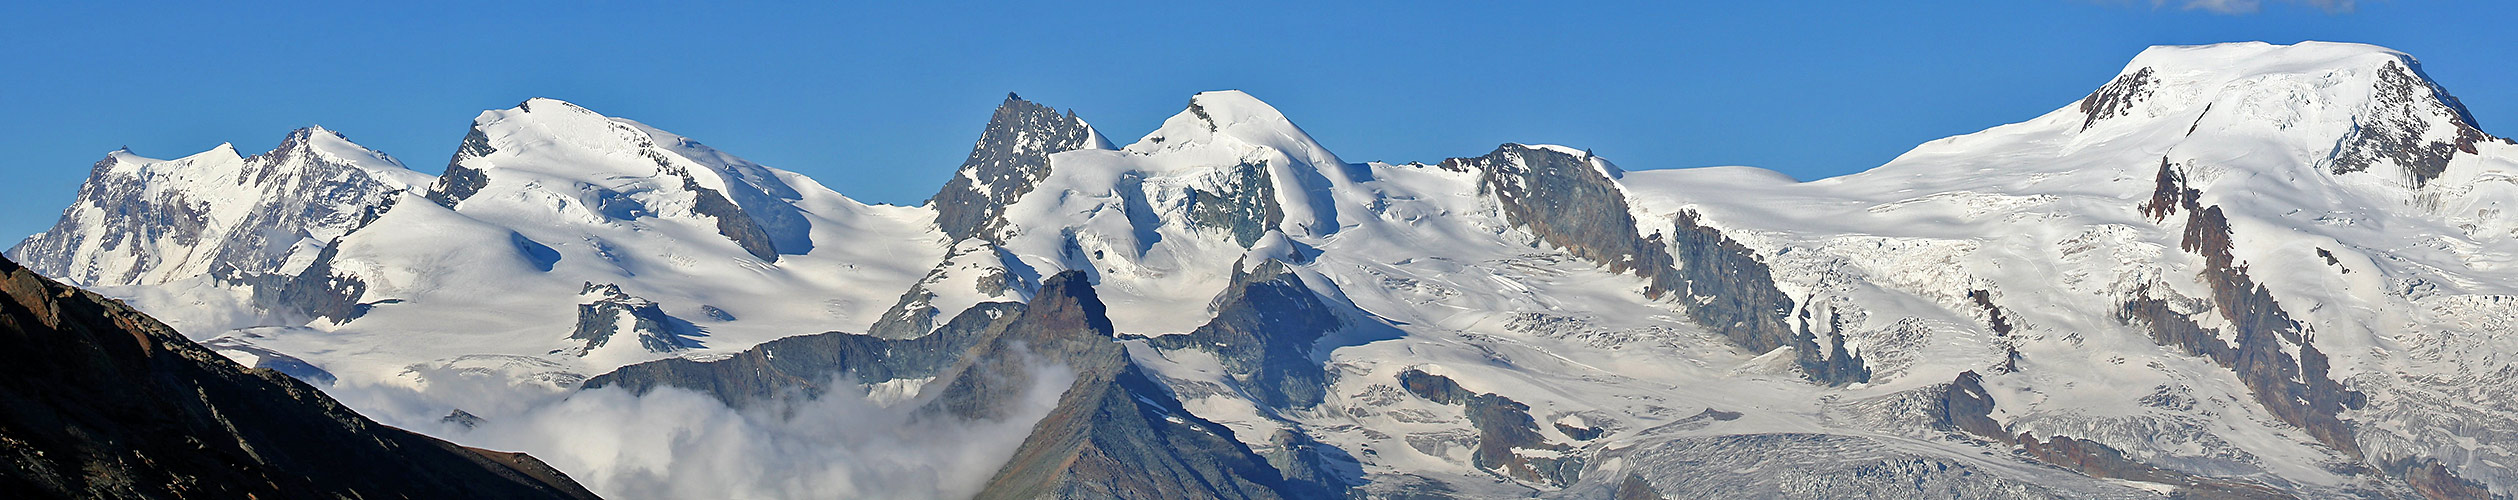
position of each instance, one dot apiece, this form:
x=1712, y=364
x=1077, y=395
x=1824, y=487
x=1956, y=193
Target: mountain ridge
x=1656, y=315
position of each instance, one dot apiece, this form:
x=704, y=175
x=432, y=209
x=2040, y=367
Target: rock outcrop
x=1266, y=325
x=1012, y=154
x=2296, y=390
x=2400, y=128
x=801, y=364
x=609, y=312
x=1116, y=432
x=1965, y=406
x=1573, y=203
x=1508, y=438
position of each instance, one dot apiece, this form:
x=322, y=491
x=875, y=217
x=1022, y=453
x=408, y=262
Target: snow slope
x=2237, y=267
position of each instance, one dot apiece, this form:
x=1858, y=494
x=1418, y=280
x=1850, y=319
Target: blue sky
x=880, y=100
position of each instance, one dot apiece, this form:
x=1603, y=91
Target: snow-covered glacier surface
x=2240, y=270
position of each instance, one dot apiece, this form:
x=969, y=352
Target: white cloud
x=674, y=443
x=2235, y=7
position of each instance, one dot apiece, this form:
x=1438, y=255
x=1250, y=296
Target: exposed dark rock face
x=1503, y=426
x=1636, y=488
x=732, y=221
x=1569, y=203
x=1566, y=202
x=2169, y=194
x=914, y=315
x=1116, y=433
x=2393, y=128
x=2295, y=390
x=2000, y=323
x=1246, y=206
x=462, y=418
x=100, y=401
x=1580, y=433
x=2432, y=480
x=609, y=309
x=2118, y=97
x=461, y=182
x=800, y=364
x=1265, y=327
x=2098, y=460
x=1731, y=292
x=314, y=293
x=1310, y=466
x=1965, y=407
x=1011, y=156
x=2331, y=261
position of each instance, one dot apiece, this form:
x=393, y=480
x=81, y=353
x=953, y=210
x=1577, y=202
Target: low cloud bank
x=674, y=443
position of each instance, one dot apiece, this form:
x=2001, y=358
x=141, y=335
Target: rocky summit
x=2240, y=270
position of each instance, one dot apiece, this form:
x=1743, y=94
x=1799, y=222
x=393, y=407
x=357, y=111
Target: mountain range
x=2233, y=271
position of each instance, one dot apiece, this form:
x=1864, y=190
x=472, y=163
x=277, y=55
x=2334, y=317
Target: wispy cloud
x=2243, y=7
x=674, y=443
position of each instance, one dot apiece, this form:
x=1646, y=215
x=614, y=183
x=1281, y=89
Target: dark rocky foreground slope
x=100, y=401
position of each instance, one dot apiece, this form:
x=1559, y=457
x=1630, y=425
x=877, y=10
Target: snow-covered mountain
x=2237, y=270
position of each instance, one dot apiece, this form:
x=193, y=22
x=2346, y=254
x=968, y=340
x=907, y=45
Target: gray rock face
x=103, y=402
x=2393, y=130
x=2118, y=97
x=610, y=312
x=1265, y=327
x=1247, y=206
x=1731, y=292
x=1503, y=426
x=2296, y=390
x=1965, y=406
x=112, y=234
x=915, y=313
x=314, y=293
x=1011, y=155
x=1116, y=433
x=798, y=365
x=732, y=221
x=460, y=182
x=1804, y=465
x=1569, y=203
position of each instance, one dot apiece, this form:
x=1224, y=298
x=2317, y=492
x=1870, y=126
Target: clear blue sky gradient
x=880, y=100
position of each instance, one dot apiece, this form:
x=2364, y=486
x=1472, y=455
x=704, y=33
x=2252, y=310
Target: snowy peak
x=1011, y=156
x=2355, y=106
x=317, y=147
x=1233, y=116
x=1273, y=161
x=545, y=155
x=141, y=221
